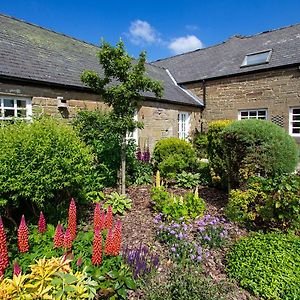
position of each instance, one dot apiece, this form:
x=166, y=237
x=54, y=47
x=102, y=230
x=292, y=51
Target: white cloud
x=141, y=32
x=185, y=44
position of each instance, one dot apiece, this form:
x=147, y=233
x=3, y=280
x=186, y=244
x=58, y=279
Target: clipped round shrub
x=257, y=147
x=267, y=265
x=215, y=152
x=172, y=156
x=42, y=164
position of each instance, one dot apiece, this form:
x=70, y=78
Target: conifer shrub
x=41, y=164
x=257, y=147
x=171, y=156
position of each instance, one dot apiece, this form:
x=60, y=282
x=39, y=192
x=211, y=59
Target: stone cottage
x=244, y=77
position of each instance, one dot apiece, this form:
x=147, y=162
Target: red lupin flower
x=59, y=236
x=97, y=248
x=23, y=236
x=72, y=219
x=3, y=246
x=67, y=239
x=17, y=269
x=102, y=220
x=108, y=249
x=117, y=238
x=1, y=267
x=42, y=223
x=97, y=217
x=108, y=218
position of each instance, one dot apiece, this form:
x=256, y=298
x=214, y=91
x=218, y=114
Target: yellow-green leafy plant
x=49, y=279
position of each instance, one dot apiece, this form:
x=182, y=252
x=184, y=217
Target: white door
x=183, y=125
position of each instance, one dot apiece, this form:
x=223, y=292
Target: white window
x=294, y=121
x=258, y=58
x=259, y=114
x=15, y=108
x=183, y=125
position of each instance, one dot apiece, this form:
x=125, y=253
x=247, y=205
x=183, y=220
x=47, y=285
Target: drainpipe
x=204, y=101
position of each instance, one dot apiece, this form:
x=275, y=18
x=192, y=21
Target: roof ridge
x=226, y=41
x=49, y=30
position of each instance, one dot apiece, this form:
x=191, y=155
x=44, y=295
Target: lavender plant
x=141, y=260
x=180, y=239
x=211, y=231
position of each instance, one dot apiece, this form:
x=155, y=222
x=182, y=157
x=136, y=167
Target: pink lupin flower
x=23, y=244
x=67, y=239
x=108, y=218
x=58, y=236
x=72, y=219
x=97, y=217
x=97, y=248
x=117, y=238
x=42, y=223
x=3, y=246
x=17, y=269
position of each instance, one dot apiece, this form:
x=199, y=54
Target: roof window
x=258, y=58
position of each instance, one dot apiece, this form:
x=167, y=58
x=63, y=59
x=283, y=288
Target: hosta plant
x=119, y=203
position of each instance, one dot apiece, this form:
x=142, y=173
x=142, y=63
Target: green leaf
x=130, y=283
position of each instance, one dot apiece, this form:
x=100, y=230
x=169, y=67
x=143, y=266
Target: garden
x=85, y=214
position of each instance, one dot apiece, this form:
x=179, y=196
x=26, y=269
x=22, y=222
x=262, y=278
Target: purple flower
x=180, y=235
x=207, y=238
x=172, y=232
x=192, y=257
x=173, y=249
x=199, y=258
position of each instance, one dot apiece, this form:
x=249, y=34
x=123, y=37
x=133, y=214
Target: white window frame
x=256, y=117
x=133, y=135
x=291, y=114
x=245, y=62
x=15, y=108
x=183, y=124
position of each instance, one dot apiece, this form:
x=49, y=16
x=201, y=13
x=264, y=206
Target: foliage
x=215, y=152
x=141, y=261
x=49, y=279
x=187, y=180
x=140, y=172
x=211, y=231
x=96, y=129
x=267, y=203
x=200, y=143
x=172, y=156
x=188, y=283
x=204, y=171
x=119, y=203
x=42, y=164
x=257, y=147
x=125, y=96
x=267, y=264
x=184, y=249
x=174, y=207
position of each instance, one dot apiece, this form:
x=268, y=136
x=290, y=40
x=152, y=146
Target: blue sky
x=163, y=28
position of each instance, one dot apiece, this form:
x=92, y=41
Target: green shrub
x=267, y=203
x=187, y=180
x=96, y=130
x=215, y=152
x=188, y=283
x=200, y=143
x=267, y=264
x=140, y=172
x=257, y=147
x=118, y=203
x=174, y=207
x=172, y=156
x=42, y=164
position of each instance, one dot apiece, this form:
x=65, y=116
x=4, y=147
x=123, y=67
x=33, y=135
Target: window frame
x=291, y=114
x=251, y=110
x=245, y=64
x=15, y=108
x=183, y=133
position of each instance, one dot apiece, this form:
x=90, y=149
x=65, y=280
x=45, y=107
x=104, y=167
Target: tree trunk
x=123, y=165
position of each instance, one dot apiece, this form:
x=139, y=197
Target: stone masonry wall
x=276, y=91
x=160, y=119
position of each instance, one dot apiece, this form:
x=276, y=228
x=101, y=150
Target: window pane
x=252, y=113
x=9, y=113
x=296, y=118
x=244, y=114
x=259, y=58
x=261, y=112
x=296, y=111
x=296, y=124
x=21, y=103
x=21, y=113
x=8, y=103
x=296, y=130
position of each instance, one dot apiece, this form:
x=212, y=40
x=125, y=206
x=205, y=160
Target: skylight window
x=257, y=58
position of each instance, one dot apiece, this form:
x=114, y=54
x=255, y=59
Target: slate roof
x=33, y=53
x=226, y=58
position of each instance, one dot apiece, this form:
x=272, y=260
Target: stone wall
x=160, y=119
x=276, y=91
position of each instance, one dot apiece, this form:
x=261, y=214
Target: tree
x=121, y=87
